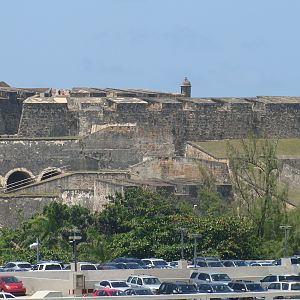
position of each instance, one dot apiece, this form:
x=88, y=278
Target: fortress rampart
x=148, y=134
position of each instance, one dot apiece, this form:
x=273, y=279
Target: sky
x=229, y=48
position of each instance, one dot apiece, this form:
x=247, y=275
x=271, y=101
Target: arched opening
x=17, y=180
x=50, y=173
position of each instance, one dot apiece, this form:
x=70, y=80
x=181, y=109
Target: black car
x=178, y=287
x=213, y=288
x=246, y=286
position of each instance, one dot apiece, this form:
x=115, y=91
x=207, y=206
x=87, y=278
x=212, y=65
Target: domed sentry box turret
x=186, y=88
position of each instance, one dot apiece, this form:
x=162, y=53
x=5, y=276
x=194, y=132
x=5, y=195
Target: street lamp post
x=182, y=231
x=286, y=229
x=195, y=236
x=73, y=239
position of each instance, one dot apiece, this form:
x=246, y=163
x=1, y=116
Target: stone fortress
x=83, y=144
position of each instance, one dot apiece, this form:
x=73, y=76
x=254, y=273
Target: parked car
x=138, y=291
x=284, y=286
x=145, y=281
x=261, y=264
x=6, y=295
x=178, y=287
x=246, y=286
x=48, y=266
x=209, y=263
x=213, y=287
x=108, y=266
x=111, y=284
x=205, y=277
x=14, y=266
x=13, y=285
x=294, y=260
x=131, y=260
x=108, y=292
x=234, y=263
x=156, y=263
x=83, y=266
x=265, y=282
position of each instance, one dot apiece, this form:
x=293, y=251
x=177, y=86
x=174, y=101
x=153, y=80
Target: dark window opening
x=17, y=180
x=50, y=173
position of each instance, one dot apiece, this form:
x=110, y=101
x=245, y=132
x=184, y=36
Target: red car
x=11, y=284
x=108, y=292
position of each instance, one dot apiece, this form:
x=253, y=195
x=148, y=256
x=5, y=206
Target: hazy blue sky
x=225, y=47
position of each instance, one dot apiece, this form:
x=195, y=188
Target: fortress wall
x=208, y=123
x=20, y=208
x=179, y=167
x=45, y=120
x=280, y=120
x=37, y=155
x=10, y=114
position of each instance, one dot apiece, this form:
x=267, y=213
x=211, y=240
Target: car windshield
x=255, y=287
x=87, y=267
x=220, y=277
x=52, y=267
x=9, y=296
x=150, y=281
x=241, y=263
x=214, y=264
x=295, y=286
x=222, y=288
x=160, y=263
x=27, y=266
x=10, y=279
x=117, y=293
x=188, y=288
x=119, y=284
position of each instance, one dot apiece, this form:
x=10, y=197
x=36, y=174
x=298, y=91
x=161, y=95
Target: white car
x=6, y=295
x=266, y=281
x=112, y=284
x=284, y=286
x=145, y=281
x=49, y=266
x=157, y=263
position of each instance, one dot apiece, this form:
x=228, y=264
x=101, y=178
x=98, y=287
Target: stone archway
x=18, y=178
x=48, y=173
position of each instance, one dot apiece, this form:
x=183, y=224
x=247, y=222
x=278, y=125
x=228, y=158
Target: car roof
x=210, y=273
x=18, y=262
x=143, y=276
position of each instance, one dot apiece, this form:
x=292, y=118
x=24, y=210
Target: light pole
x=286, y=229
x=195, y=236
x=36, y=246
x=182, y=231
x=74, y=238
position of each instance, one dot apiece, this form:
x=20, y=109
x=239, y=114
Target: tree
x=255, y=177
x=210, y=201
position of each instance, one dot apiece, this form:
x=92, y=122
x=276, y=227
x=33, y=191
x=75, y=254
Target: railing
x=24, y=182
x=268, y=295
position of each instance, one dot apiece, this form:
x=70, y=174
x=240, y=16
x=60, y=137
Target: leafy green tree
x=255, y=176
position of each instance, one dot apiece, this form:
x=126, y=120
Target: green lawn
x=286, y=147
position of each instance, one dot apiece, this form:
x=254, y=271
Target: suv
x=156, y=263
x=13, y=266
x=48, y=266
x=206, y=277
x=146, y=281
x=213, y=287
x=246, y=286
x=178, y=287
x=276, y=278
x=284, y=286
